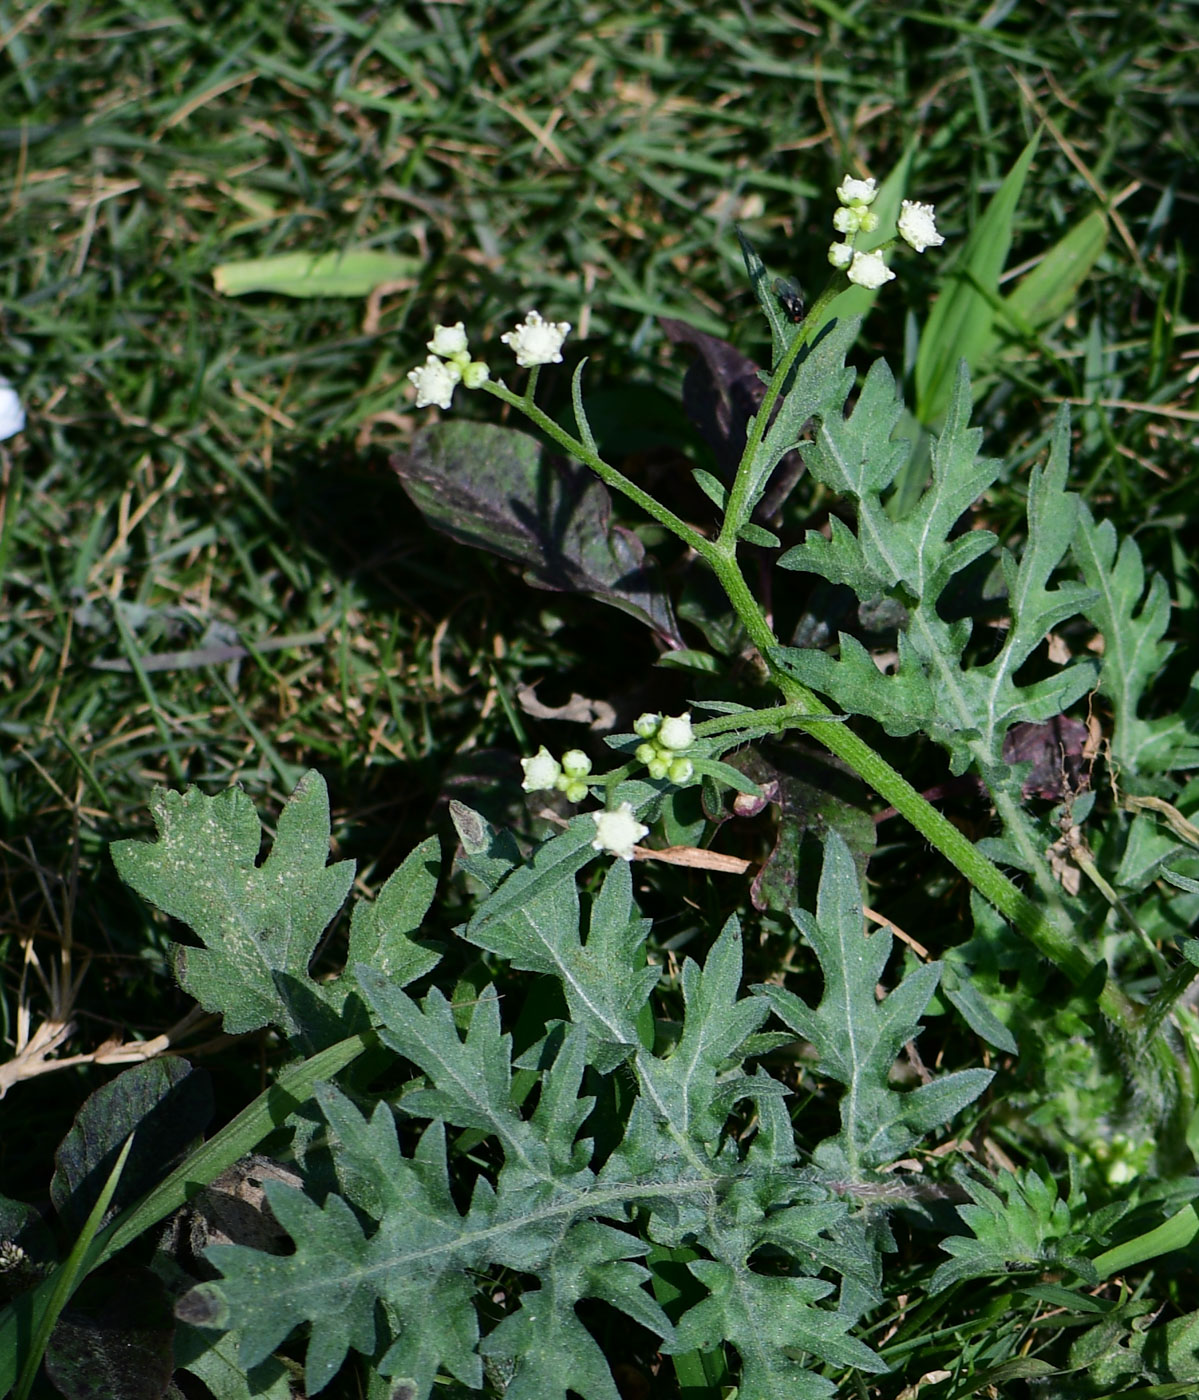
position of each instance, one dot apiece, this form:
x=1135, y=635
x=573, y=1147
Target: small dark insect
x=790, y=299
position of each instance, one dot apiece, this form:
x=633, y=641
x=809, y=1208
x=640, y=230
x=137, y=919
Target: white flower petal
x=675, y=733
x=918, y=226
x=868, y=270
x=12, y=413
x=537, y=342
x=851, y=191
x=542, y=771
x=618, y=832
x=449, y=340
x=435, y=381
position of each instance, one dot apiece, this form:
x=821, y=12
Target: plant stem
x=606, y=473
x=736, y=509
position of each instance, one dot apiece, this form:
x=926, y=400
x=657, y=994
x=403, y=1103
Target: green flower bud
x=647, y=726
x=575, y=792
x=682, y=770
x=575, y=763
x=646, y=753
x=659, y=768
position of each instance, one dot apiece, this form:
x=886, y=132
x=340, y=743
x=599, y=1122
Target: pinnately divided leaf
x=967, y=708
x=533, y=920
x=389, y=1263
x=857, y=1037
x=1022, y=1223
x=561, y=1185
x=258, y=923
x=1133, y=624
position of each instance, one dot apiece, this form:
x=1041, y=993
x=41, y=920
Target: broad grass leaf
x=960, y=324
x=1048, y=291
x=354, y=272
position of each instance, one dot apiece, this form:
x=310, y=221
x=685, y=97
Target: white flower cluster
x=917, y=227
x=535, y=342
x=616, y=831
x=448, y=366
x=543, y=773
x=665, y=739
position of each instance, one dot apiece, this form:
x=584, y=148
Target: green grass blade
x=960, y=325
x=356, y=272
x=1175, y=1233
x=67, y=1276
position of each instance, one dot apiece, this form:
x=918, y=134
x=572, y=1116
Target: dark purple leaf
x=812, y=796
x=721, y=393
x=168, y=1103
x=1055, y=751
x=722, y=390
x=497, y=489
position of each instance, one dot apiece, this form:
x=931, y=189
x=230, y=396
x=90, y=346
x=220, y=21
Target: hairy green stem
x=606, y=473
x=738, y=506
x=983, y=873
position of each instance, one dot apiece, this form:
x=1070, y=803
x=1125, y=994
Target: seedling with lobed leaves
x=471, y=1224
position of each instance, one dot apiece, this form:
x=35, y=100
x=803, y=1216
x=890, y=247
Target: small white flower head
x=542, y=771
x=12, y=414
x=618, y=831
x=675, y=734
x=449, y=340
x=840, y=255
x=918, y=227
x=868, y=270
x=575, y=763
x=851, y=191
x=537, y=342
x=475, y=375
x=435, y=381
